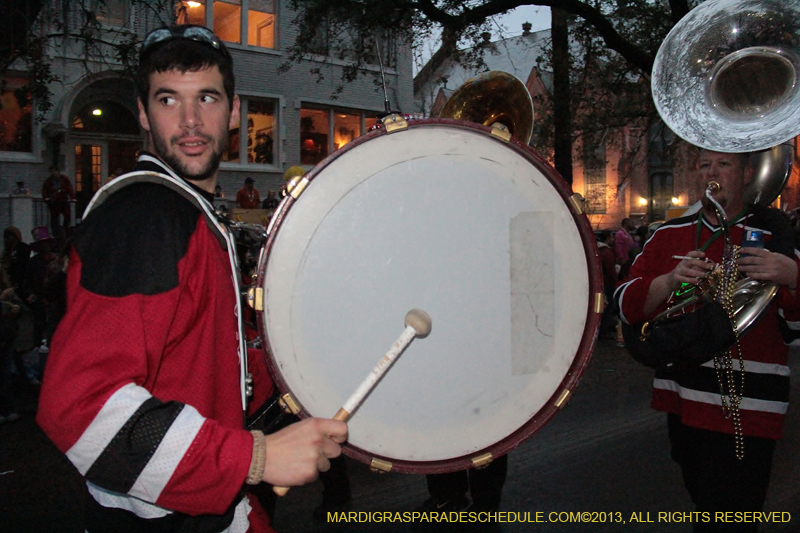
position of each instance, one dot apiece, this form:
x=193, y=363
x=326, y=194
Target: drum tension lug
x=255, y=298
x=578, y=203
x=394, y=122
x=501, y=131
x=563, y=399
x=289, y=405
x=600, y=303
x=482, y=461
x=298, y=189
x=379, y=466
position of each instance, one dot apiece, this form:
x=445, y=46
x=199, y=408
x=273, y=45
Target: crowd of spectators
x=33, y=299
x=617, y=251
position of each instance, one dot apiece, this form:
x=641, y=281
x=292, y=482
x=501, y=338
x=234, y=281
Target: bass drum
x=479, y=233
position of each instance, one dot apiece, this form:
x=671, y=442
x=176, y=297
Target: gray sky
x=538, y=16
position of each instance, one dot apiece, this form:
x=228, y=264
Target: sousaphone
x=494, y=98
x=727, y=79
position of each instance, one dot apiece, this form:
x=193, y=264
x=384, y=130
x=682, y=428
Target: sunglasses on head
x=200, y=34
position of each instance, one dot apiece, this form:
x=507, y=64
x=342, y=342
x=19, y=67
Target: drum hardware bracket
x=482, y=461
x=248, y=385
x=289, y=404
x=255, y=298
x=298, y=189
x=394, y=123
x=563, y=399
x=578, y=203
x=599, y=303
x=501, y=131
x=379, y=466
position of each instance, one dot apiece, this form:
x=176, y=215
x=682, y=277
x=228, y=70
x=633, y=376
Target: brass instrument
x=727, y=76
x=748, y=297
x=727, y=79
x=493, y=97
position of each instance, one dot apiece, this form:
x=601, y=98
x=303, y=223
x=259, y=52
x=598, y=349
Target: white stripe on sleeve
x=179, y=437
x=114, y=414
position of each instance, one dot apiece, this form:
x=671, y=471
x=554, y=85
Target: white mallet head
x=420, y=321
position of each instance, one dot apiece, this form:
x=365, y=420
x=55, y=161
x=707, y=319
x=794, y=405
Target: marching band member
x=142, y=390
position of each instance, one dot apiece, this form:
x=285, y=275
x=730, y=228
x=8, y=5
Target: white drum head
x=452, y=221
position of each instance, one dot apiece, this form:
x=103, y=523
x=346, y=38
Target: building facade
x=641, y=171
x=91, y=132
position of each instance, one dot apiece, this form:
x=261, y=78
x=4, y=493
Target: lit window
x=16, y=118
x=261, y=23
x=228, y=20
x=594, y=173
x=260, y=132
x=318, y=138
x=345, y=129
x=259, y=141
x=191, y=12
x=314, y=127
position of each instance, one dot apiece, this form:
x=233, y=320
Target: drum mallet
x=418, y=324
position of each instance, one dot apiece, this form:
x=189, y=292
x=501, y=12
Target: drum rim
x=576, y=368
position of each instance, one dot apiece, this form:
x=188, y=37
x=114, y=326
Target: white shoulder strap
x=227, y=241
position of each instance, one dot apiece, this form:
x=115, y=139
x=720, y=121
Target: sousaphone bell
x=494, y=98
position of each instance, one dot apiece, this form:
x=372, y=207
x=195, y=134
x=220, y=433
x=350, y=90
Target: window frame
x=95, y=5
x=244, y=6
x=332, y=111
x=245, y=97
x=594, y=158
x=34, y=156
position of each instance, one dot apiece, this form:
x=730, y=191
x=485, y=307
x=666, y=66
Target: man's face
x=187, y=121
x=730, y=171
x=9, y=240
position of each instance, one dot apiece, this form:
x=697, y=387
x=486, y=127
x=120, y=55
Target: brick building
x=641, y=171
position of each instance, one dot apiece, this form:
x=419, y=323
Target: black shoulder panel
x=132, y=242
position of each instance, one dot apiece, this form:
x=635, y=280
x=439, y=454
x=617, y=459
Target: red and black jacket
x=142, y=387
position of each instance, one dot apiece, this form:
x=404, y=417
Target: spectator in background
x=15, y=256
x=57, y=192
x=271, y=201
x=624, y=245
x=247, y=197
x=623, y=241
x=9, y=311
x=605, y=244
x=114, y=175
x=44, y=268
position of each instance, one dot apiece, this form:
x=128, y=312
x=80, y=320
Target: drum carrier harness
x=218, y=226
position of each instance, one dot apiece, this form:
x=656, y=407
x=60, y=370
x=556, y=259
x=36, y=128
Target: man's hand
x=691, y=269
x=764, y=265
x=297, y=453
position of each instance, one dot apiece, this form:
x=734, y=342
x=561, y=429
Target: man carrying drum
x=723, y=423
x=143, y=388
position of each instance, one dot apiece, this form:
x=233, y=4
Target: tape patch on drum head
x=532, y=291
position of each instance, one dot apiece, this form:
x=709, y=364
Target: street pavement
x=606, y=452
